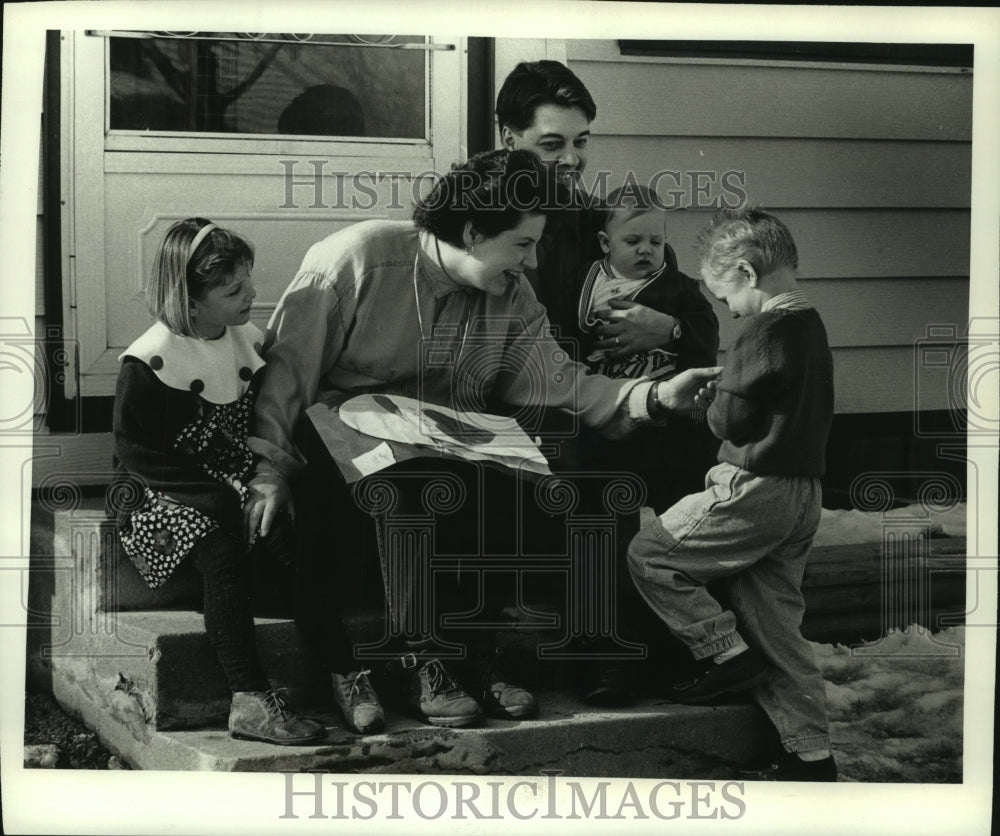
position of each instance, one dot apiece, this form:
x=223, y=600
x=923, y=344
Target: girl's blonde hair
x=181, y=273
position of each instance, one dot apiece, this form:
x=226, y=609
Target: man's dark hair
x=535, y=83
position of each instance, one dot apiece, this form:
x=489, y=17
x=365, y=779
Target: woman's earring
x=470, y=249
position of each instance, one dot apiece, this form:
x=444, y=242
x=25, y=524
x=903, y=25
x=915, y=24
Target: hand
x=631, y=328
x=268, y=495
x=705, y=396
x=690, y=390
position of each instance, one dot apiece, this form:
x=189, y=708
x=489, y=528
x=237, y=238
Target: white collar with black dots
x=217, y=370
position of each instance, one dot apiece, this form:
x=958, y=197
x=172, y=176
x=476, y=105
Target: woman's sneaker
x=358, y=702
x=424, y=689
x=265, y=716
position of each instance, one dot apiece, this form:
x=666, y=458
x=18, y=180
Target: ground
x=896, y=706
x=46, y=725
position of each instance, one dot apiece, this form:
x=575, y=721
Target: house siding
x=869, y=167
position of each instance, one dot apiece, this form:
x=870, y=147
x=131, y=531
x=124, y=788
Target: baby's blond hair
x=630, y=201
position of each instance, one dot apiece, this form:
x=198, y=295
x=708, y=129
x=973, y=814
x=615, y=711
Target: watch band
x=653, y=405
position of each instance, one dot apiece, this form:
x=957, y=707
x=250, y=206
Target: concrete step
x=153, y=671
x=151, y=689
x=80, y=568
x=857, y=592
x=148, y=683
x=650, y=739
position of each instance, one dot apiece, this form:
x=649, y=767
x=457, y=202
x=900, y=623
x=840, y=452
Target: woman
x=368, y=311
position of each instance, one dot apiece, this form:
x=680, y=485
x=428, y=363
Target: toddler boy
x=754, y=523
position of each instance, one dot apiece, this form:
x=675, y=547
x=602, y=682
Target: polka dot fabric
x=159, y=535
x=207, y=388
x=218, y=441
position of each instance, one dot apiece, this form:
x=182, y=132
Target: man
x=543, y=107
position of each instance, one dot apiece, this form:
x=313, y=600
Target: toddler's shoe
x=740, y=673
x=266, y=716
x=424, y=689
x=358, y=702
x=607, y=686
x=790, y=767
x=598, y=679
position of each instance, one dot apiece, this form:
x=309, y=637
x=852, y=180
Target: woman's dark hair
x=493, y=190
x=535, y=83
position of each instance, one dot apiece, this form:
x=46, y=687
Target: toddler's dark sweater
x=774, y=403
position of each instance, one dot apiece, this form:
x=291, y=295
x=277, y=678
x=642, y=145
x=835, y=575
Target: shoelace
x=276, y=701
x=439, y=679
x=361, y=686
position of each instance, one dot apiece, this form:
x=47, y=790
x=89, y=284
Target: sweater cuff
x=643, y=405
x=267, y=470
x=272, y=460
x=639, y=402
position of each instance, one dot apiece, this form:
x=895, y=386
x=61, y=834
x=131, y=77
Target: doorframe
x=80, y=63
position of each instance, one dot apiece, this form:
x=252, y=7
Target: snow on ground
x=895, y=706
x=841, y=528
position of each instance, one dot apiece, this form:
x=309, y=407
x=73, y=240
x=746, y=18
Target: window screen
x=270, y=84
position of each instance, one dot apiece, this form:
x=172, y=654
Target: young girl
x=182, y=408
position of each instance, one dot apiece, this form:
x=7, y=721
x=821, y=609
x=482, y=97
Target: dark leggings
x=223, y=565
x=229, y=574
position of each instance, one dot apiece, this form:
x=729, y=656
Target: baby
x=639, y=270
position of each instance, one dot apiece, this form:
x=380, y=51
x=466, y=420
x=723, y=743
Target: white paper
x=374, y=460
x=469, y=435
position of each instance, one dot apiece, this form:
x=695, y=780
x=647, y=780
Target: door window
x=269, y=84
